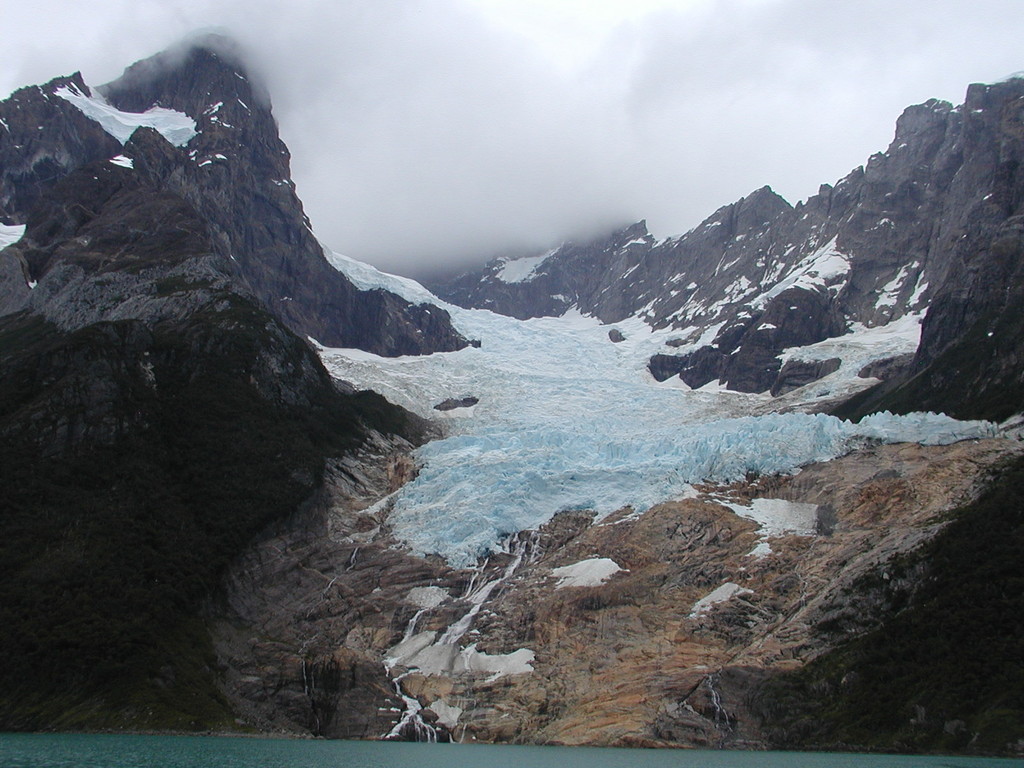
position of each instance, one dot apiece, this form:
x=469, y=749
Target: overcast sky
x=431, y=131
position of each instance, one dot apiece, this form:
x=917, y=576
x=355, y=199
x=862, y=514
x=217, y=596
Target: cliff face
x=677, y=627
x=930, y=226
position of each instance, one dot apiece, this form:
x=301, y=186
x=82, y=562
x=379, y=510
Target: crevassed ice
x=567, y=419
x=475, y=489
x=177, y=127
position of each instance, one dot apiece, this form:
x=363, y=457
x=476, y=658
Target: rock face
x=642, y=630
x=931, y=224
x=234, y=176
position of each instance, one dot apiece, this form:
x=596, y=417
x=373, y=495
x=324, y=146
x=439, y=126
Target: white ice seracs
x=567, y=419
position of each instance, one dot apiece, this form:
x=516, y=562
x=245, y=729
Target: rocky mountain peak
x=215, y=152
x=916, y=228
x=633, y=232
x=186, y=76
x=920, y=119
x=758, y=208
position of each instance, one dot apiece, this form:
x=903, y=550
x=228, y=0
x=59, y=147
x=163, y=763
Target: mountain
x=242, y=493
x=215, y=149
x=930, y=226
x=160, y=405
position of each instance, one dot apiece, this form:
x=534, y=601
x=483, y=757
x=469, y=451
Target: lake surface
x=115, y=751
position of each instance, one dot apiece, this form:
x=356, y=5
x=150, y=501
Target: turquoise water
x=102, y=751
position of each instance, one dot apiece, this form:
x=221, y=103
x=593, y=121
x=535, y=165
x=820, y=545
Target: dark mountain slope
x=941, y=668
x=971, y=360
x=154, y=419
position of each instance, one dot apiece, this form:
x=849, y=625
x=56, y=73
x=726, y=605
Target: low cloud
x=427, y=133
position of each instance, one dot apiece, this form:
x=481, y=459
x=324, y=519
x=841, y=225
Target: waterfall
x=421, y=731
x=722, y=717
x=519, y=546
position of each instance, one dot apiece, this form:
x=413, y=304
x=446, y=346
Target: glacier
x=568, y=420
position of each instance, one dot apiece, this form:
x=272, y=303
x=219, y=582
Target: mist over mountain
x=456, y=130
x=927, y=228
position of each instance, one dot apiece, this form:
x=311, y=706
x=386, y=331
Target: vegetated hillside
x=154, y=419
x=139, y=459
x=944, y=668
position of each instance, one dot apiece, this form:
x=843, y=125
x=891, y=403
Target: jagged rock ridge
x=234, y=173
x=930, y=225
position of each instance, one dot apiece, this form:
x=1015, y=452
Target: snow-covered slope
x=568, y=419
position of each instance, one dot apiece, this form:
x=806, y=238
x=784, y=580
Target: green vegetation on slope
x=980, y=376
x=944, y=671
x=136, y=464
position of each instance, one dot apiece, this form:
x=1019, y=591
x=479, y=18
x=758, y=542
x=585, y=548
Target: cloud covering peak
x=433, y=131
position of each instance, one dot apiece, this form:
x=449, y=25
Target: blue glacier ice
x=568, y=420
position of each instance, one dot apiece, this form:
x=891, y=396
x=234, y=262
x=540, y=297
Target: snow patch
x=10, y=234
x=122, y=160
x=635, y=241
x=524, y=269
x=212, y=159
x=421, y=653
x=447, y=714
x=889, y=292
x=519, y=662
x=426, y=597
x=586, y=573
x=177, y=127
x=862, y=345
x=777, y=517
x=822, y=270
x=725, y=592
